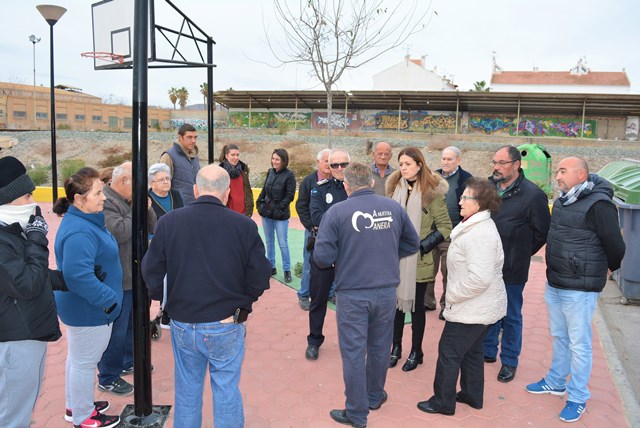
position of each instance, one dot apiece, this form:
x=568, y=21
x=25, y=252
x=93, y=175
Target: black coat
x=277, y=194
x=303, y=204
x=523, y=224
x=27, y=308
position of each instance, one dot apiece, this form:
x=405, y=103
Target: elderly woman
x=83, y=248
x=422, y=194
x=163, y=199
x=475, y=299
x=241, y=196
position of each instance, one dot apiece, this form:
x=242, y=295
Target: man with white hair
x=303, y=204
x=456, y=177
x=381, y=168
x=209, y=295
x=118, y=357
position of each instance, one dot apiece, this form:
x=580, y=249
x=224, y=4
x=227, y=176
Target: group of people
x=480, y=234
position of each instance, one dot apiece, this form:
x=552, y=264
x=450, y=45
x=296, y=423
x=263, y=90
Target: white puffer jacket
x=475, y=289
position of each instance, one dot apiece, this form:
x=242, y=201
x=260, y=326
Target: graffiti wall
x=414, y=121
x=338, y=120
x=532, y=126
x=197, y=123
x=240, y=119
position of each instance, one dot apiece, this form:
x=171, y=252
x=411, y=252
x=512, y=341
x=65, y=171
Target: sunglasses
x=342, y=165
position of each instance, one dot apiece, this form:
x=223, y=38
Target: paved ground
x=282, y=389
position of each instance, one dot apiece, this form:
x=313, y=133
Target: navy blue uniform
x=325, y=195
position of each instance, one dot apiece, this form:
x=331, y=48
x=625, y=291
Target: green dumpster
x=536, y=163
x=624, y=177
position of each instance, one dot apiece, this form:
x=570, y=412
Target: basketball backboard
x=173, y=37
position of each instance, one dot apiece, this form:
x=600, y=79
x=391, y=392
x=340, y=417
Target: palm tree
x=481, y=86
x=204, y=89
x=183, y=97
x=173, y=96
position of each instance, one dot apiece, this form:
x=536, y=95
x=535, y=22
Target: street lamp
x=52, y=14
x=33, y=39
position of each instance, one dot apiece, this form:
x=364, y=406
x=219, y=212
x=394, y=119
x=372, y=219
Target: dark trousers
x=119, y=353
x=459, y=352
x=364, y=335
x=418, y=321
x=439, y=262
x=319, y=288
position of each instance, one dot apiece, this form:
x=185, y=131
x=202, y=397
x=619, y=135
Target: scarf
x=406, y=291
x=10, y=214
x=234, y=171
x=572, y=195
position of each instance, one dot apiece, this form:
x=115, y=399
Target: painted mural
x=422, y=121
x=338, y=120
x=294, y=120
x=240, y=119
x=196, y=123
x=533, y=126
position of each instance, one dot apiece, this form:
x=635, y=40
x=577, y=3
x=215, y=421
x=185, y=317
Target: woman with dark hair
x=422, y=194
x=87, y=255
x=475, y=299
x=273, y=206
x=241, y=195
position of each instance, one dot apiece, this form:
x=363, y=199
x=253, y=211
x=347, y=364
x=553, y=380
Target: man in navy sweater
x=215, y=267
x=366, y=284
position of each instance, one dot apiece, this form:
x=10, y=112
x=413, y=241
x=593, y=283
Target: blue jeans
x=570, y=314
x=281, y=228
x=365, y=330
x=511, y=329
x=306, y=268
x=119, y=353
x=21, y=371
x=221, y=346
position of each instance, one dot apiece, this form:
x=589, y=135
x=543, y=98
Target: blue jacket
x=324, y=195
x=213, y=258
x=365, y=236
x=83, y=242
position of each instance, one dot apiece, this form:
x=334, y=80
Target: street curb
x=629, y=400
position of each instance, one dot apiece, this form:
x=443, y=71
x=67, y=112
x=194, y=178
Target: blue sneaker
x=572, y=411
x=543, y=387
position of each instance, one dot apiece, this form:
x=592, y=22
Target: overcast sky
x=459, y=40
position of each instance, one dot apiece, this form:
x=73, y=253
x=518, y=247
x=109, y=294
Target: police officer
x=327, y=193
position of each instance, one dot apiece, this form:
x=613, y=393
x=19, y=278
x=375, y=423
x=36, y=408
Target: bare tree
x=333, y=36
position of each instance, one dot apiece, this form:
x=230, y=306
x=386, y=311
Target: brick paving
x=281, y=388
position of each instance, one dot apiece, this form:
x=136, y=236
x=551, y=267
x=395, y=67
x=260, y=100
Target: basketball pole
x=144, y=414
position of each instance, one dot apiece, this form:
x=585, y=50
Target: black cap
x=14, y=181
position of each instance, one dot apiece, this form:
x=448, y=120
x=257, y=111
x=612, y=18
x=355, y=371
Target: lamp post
x=52, y=14
x=33, y=39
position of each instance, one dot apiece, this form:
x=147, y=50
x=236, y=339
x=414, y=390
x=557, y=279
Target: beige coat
x=475, y=289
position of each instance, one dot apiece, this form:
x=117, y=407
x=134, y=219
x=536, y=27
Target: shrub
x=39, y=175
x=115, y=159
x=283, y=127
x=68, y=167
x=64, y=127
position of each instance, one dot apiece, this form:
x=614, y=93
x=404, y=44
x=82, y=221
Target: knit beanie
x=14, y=181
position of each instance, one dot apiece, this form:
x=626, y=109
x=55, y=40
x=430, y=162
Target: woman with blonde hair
x=422, y=193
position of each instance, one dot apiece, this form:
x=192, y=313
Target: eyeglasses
x=342, y=165
x=466, y=198
x=163, y=180
x=501, y=163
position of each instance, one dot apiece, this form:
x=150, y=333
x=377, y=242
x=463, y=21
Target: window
x=42, y=115
x=128, y=122
x=80, y=117
x=1, y=113
x=61, y=116
x=155, y=123
x=19, y=114
x=96, y=118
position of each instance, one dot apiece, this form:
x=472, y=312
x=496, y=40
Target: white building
x=580, y=79
x=411, y=75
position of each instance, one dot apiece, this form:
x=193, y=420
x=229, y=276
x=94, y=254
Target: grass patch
x=39, y=175
x=68, y=167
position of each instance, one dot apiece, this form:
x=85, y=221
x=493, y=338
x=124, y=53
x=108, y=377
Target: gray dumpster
x=624, y=177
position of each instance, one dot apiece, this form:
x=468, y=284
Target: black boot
x=396, y=354
x=415, y=358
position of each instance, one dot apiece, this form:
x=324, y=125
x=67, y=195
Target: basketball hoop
x=104, y=56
